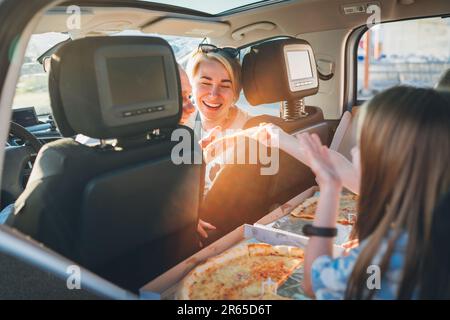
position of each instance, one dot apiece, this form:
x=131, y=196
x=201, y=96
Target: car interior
x=121, y=209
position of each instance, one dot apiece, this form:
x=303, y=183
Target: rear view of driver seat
x=126, y=212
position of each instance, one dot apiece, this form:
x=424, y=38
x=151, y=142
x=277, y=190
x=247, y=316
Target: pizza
x=347, y=209
x=246, y=272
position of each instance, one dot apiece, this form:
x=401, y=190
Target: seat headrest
x=279, y=70
x=114, y=87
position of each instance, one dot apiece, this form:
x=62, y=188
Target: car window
x=413, y=52
x=215, y=7
x=182, y=46
x=32, y=87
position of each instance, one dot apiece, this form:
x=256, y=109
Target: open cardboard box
x=164, y=286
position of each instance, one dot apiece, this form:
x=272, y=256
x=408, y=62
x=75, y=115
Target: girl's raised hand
x=318, y=158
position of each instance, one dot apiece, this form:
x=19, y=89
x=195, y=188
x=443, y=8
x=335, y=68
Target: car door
x=27, y=269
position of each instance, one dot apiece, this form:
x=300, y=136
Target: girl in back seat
x=401, y=171
x=404, y=143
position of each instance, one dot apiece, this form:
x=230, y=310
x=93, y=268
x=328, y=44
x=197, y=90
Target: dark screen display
x=299, y=65
x=25, y=117
x=136, y=80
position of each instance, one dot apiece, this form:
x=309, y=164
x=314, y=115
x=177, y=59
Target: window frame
x=351, y=61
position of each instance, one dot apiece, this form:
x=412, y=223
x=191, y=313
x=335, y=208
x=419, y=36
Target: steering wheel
x=18, y=163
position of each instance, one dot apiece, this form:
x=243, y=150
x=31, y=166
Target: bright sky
x=208, y=6
x=39, y=43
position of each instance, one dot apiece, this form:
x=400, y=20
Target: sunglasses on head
x=229, y=51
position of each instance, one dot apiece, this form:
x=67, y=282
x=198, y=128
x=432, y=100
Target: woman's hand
x=210, y=137
x=202, y=226
x=318, y=158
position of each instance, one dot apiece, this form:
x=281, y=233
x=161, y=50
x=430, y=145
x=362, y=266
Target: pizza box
x=164, y=286
x=281, y=219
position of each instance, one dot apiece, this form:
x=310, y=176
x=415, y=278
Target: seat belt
x=197, y=136
x=197, y=127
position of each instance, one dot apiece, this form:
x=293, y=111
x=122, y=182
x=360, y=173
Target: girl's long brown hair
x=405, y=169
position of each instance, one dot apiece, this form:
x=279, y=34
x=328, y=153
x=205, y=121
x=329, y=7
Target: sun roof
x=213, y=7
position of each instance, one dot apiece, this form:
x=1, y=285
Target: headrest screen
x=143, y=80
x=299, y=65
x=115, y=87
x=136, y=82
x=279, y=70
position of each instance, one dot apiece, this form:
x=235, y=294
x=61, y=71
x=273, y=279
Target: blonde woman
x=215, y=74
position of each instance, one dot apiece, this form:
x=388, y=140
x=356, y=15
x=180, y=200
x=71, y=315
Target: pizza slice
x=347, y=209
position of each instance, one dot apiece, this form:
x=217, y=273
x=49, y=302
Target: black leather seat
x=126, y=212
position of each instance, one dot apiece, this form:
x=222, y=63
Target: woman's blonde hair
x=232, y=66
x=405, y=152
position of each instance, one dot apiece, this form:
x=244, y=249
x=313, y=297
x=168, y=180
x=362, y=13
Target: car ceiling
x=289, y=18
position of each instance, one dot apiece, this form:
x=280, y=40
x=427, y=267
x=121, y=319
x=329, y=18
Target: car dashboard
x=43, y=127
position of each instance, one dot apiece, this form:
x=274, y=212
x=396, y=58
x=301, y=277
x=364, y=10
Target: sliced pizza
x=246, y=272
